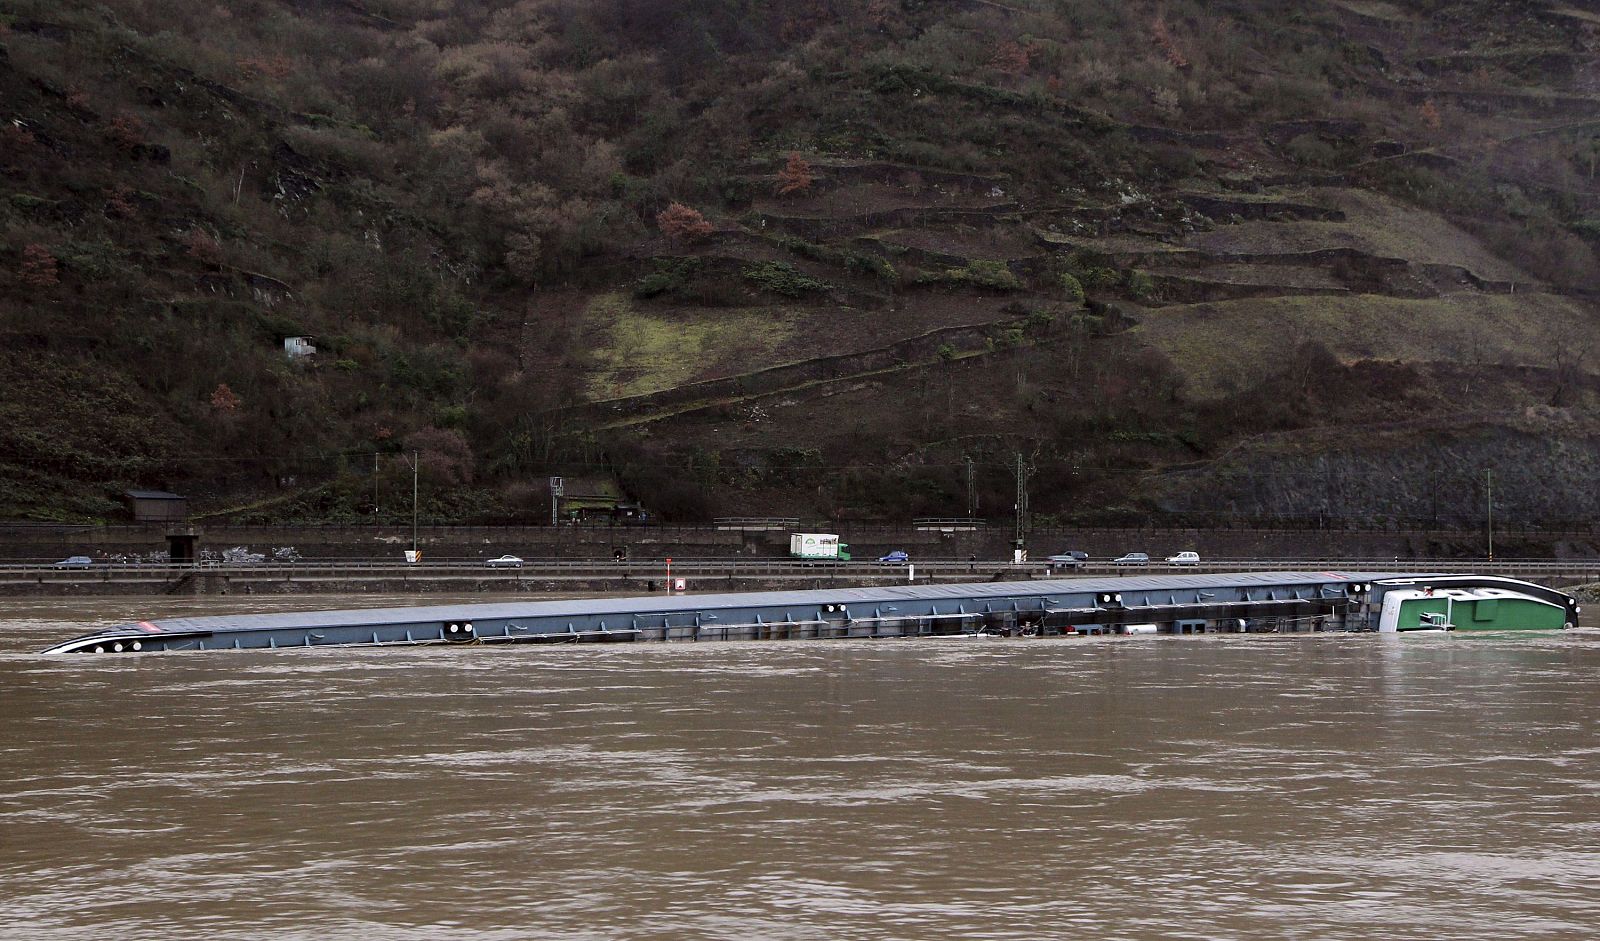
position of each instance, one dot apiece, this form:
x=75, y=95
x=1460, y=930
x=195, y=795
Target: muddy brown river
x=1226, y=787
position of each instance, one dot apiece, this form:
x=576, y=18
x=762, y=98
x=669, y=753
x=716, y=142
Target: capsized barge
x=1167, y=604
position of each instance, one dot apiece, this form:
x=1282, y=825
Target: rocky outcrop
x=1540, y=470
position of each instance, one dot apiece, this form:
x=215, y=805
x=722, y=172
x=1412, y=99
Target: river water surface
x=1249, y=787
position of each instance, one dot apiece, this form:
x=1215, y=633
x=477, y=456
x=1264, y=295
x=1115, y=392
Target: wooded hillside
x=1193, y=261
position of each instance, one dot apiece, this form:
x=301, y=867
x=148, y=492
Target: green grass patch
x=636, y=352
x=989, y=275
x=1072, y=289
x=856, y=262
x=780, y=277
x=1222, y=347
x=669, y=278
x=28, y=202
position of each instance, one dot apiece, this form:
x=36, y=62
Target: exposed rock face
x=1540, y=471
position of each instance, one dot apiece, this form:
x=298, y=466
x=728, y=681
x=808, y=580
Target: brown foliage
x=795, y=177
x=445, y=455
x=683, y=224
x=1162, y=34
x=1011, y=58
x=202, y=247
x=1430, y=115
x=524, y=254
x=274, y=67
x=490, y=70
x=803, y=18
x=224, y=399
x=119, y=202
x=14, y=139
x=77, y=99
x=125, y=132
x=38, y=267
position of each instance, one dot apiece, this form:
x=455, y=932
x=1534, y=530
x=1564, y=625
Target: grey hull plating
x=1328, y=600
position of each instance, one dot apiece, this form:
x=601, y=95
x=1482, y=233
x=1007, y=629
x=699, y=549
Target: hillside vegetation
x=1192, y=261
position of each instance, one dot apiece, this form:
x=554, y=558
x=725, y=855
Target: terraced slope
x=1155, y=249
x=1351, y=246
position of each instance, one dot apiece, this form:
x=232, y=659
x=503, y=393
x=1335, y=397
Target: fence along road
x=18, y=575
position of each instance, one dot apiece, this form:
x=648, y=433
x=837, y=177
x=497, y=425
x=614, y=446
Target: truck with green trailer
x=818, y=547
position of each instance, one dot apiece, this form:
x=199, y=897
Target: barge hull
x=1177, y=604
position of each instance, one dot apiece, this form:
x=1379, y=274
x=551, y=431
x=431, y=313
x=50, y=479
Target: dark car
x=1070, y=559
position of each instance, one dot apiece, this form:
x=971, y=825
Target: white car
x=505, y=562
x=1184, y=558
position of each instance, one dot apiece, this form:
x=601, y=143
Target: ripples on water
x=1306, y=787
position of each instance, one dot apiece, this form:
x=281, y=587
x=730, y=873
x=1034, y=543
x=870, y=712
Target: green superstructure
x=1468, y=609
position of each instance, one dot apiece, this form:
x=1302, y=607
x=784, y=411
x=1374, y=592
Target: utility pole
x=375, y=514
x=972, y=492
x=1488, y=482
x=415, y=462
x=1022, y=511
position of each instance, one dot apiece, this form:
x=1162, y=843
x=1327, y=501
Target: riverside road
x=648, y=575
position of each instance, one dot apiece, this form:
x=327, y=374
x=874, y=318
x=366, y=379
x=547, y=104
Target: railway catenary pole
x=415, y=462
x=1020, y=543
x=972, y=493
x=1488, y=481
